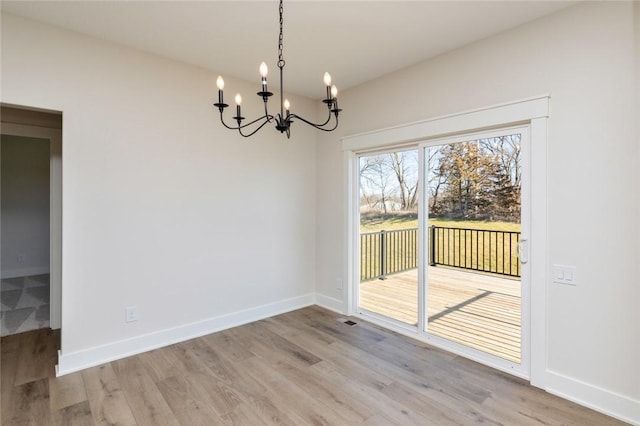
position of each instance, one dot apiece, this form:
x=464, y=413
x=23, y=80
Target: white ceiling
x=354, y=40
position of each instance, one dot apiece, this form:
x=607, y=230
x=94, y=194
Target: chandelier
x=284, y=119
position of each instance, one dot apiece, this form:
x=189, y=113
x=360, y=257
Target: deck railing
x=475, y=249
x=389, y=252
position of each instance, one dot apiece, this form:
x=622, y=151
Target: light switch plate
x=563, y=274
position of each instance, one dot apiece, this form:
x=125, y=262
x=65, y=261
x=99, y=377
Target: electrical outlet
x=131, y=314
x=338, y=283
x=22, y=258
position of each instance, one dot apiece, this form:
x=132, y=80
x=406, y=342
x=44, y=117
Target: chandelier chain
x=280, y=39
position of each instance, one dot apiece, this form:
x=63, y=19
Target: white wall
x=164, y=209
x=584, y=58
x=25, y=206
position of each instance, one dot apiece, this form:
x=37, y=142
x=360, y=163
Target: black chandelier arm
x=266, y=111
x=267, y=119
x=225, y=124
x=318, y=126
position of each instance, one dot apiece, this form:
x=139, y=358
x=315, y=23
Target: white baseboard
x=76, y=361
x=330, y=303
x=610, y=403
x=619, y=406
x=24, y=272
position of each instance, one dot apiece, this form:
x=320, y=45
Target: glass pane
x=473, y=277
x=389, y=235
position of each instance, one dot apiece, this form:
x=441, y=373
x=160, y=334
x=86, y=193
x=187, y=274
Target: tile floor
x=25, y=304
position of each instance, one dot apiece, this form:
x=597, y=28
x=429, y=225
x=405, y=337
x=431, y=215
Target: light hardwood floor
x=299, y=368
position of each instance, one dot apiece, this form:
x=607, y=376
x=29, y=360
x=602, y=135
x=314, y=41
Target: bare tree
x=506, y=195
x=435, y=178
x=403, y=164
x=506, y=150
x=477, y=179
x=374, y=175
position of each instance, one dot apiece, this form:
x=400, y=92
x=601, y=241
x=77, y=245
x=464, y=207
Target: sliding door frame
x=532, y=113
x=521, y=369
x=357, y=309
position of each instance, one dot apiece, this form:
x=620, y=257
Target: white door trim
x=520, y=111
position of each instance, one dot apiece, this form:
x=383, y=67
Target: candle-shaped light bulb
x=287, y=105
x=327, y=79
x=263, y=73
x=334, y=91
x=238, y=114
x=220, y=84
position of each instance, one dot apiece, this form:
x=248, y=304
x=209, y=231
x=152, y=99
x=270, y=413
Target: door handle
x=523, y=250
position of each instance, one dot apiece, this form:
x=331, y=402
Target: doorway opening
x=30, y=220
x=25, y=233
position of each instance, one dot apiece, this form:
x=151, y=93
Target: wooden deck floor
x=476, y=310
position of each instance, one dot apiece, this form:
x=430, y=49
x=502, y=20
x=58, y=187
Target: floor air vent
x=346, y=321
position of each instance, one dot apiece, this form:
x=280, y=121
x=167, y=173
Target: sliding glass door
x=442, y=245
x=473, y=229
